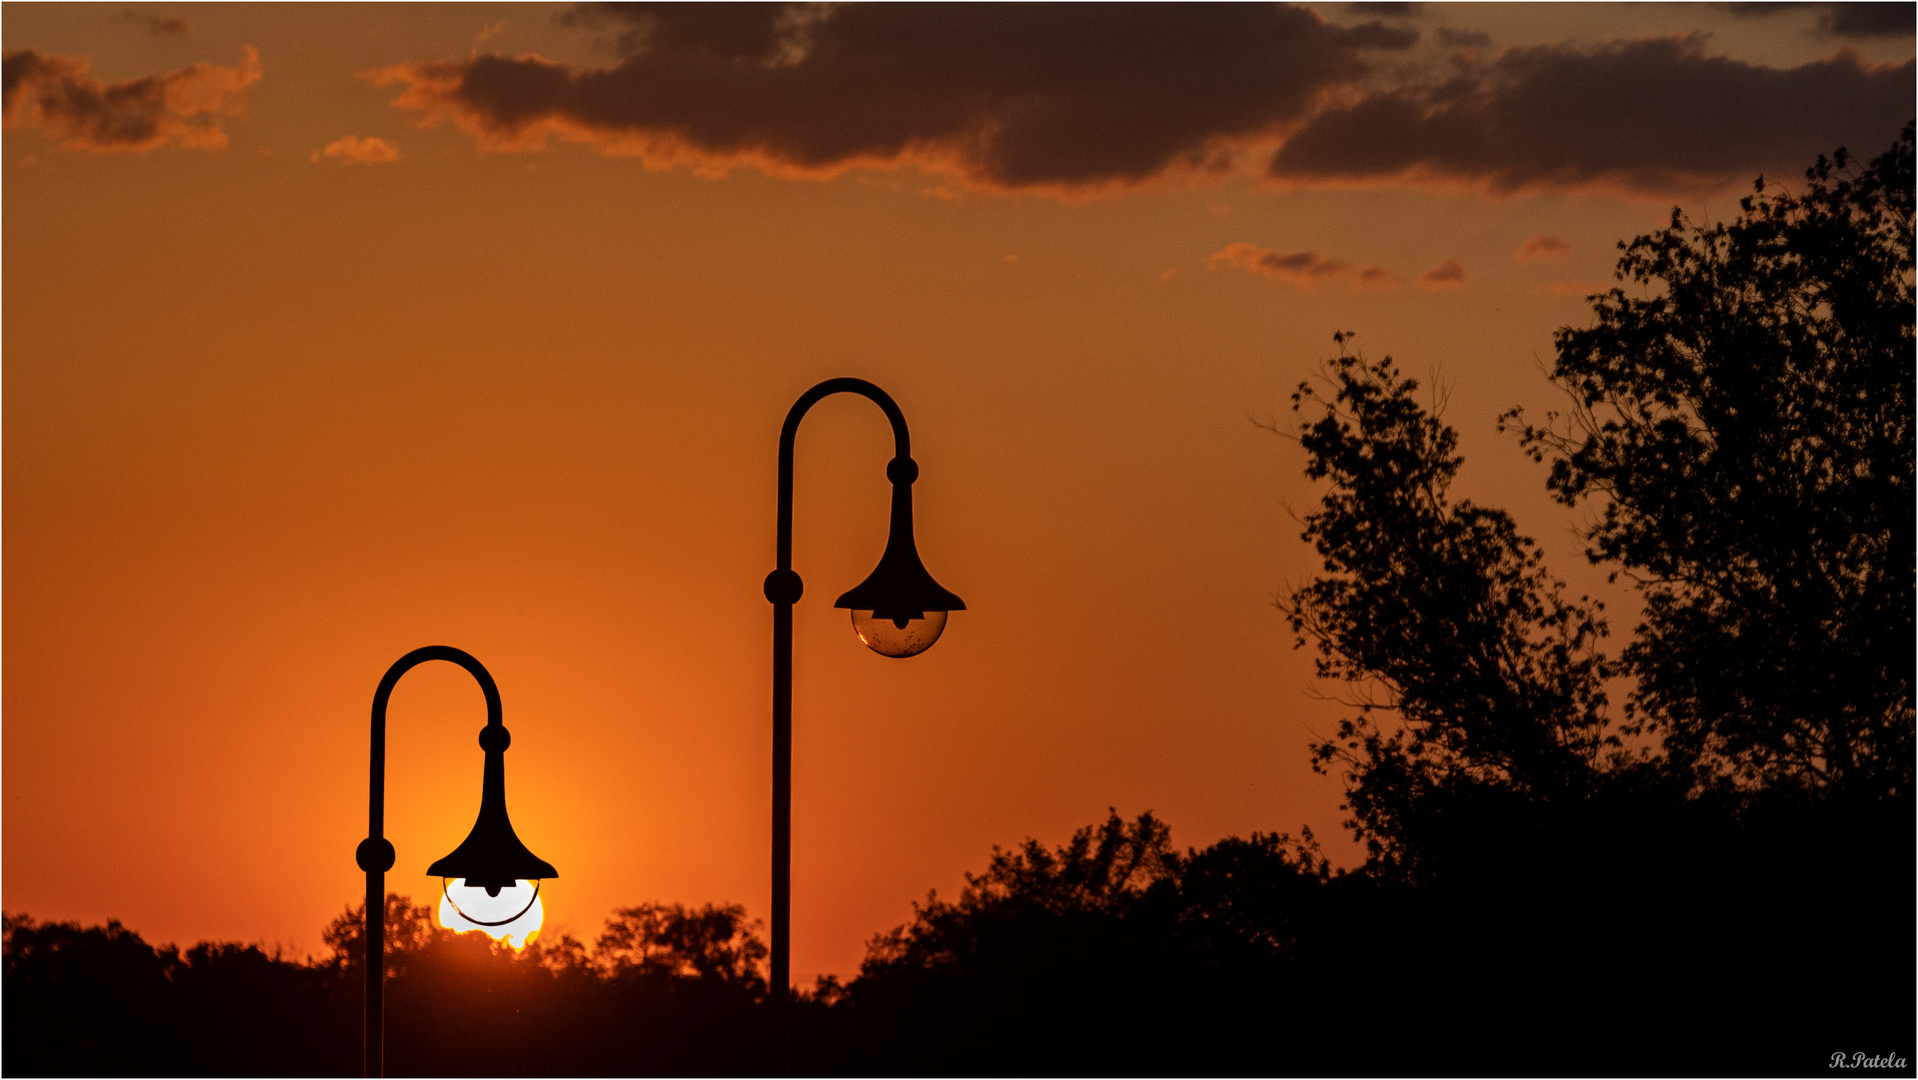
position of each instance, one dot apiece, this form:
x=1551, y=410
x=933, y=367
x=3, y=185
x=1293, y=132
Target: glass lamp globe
x=899, y=610
x=898, y=634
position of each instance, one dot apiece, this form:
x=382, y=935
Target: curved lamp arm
x=376, y=781
x=902, y=452
x=375, y=854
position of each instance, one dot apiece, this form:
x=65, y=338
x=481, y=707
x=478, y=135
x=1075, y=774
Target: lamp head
x=492, y=856
x=899, y=610
x=491, y=881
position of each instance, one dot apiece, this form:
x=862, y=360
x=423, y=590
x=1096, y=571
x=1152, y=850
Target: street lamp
x=489, y=873
x=898, y=611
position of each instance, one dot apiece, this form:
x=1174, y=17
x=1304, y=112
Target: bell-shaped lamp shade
x=491, y=881
x=899, y=610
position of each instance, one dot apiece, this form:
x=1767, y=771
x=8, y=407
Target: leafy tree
x=82, y=999
x=100, y=1000
x=666, y=990
x=1745, y=431
x=714, y=944
x=1111, y=953
x=410, y=930
x=1744, y=428
x=1101, y=873
x=1472, y=670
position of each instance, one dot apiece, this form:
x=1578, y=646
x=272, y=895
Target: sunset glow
x=514, y=916
x=335, y=331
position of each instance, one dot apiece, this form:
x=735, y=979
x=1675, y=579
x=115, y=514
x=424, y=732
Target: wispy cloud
x=1449, y=274
x=353, y=150
x=154, y=24
x=1541, y=248
x=56, y=96
x=1305, y=270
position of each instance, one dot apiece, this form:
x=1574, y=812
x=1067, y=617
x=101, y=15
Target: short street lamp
x=899, y=611
x=489, y=883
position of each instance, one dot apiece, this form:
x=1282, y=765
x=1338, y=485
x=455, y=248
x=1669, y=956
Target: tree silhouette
x=1111, y=953
x=666, y=990
x=713, y=946
x=101, y=1001
x=1471, y=670
x=1745, y=431
x=410, y=930
x=81, y=1000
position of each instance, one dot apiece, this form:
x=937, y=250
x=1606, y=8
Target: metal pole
x=782, y=799
x=373, y=1037
x=783, y=589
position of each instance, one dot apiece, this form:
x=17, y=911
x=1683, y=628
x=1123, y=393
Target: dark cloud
x=1464, y=39
x=1377, y=35
x=1012, y=95
x=1652, y=116
x=1869, y=20
x=1860, y=20
x=1386, y=10
x=155, y=24
x=56, y=95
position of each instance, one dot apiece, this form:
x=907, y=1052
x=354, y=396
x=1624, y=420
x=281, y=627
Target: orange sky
x=294, y=384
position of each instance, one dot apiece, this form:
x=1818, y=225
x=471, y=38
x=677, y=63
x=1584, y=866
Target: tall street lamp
x=898, y=611
x=483, y=882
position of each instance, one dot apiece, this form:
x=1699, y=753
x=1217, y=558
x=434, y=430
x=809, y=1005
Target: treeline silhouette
x=1601, y=942
x=1716, y=877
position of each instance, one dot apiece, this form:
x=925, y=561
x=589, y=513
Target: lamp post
x=490, y=861
x=898, y=611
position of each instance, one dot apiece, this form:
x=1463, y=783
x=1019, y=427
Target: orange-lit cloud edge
x=433, y=90
x=354, y=150
x=1304, y=270
x=58, y=96
x=426, y=92
x=1218, y=162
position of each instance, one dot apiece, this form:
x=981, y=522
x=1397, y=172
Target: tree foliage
x=1744, y=429
x=410, y=931
x=1111, y=953
x=713, y=945
x=99, y=1000
x=1472, y=667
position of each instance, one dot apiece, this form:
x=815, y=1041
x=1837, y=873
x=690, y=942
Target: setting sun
x=512, y=915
